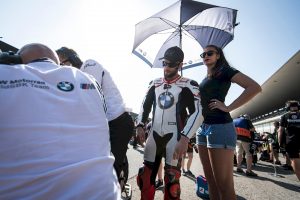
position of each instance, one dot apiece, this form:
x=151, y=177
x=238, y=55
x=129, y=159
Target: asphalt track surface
x=283, y=186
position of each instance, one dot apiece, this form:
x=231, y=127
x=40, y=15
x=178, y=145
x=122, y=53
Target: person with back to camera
x=245, y=135
x=170, y=97
x=120, y=122
x=287, y=164
x=55, y=143
x=274, y=145
x=290, y=124
x=216, y=138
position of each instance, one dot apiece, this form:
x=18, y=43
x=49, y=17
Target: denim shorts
x=217, y=136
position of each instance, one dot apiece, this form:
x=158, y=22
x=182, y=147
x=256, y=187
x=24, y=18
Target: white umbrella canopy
x=188, y=24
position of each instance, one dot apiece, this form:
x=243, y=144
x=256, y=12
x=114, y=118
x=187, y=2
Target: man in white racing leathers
x=176, y=116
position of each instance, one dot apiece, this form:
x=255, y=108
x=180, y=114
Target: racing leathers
x=176, y=113
x=112, y=95
x=121, y=125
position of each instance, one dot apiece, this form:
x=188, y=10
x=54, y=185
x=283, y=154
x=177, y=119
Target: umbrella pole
x=180, y=37
x=180, y=45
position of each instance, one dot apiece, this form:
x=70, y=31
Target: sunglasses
x=208, y=53
x=171, y=65
x=64, y=62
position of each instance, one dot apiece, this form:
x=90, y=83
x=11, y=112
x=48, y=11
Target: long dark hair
x=221, y=62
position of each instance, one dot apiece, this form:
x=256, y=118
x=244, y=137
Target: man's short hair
x=291, y=103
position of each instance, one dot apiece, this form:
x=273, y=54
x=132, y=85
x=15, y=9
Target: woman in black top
x=216, y=138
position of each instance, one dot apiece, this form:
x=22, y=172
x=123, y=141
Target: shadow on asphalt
x=194, y=180
x=268, y=168
x=280, y=183
x=240, y=198
x=161, y=188
x=191, y=178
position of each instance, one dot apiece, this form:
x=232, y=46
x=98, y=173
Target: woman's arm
x=251, y=89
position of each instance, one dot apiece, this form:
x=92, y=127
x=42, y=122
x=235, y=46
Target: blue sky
x=268, y=35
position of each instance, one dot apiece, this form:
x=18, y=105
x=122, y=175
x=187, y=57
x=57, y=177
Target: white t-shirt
x=113, y=99
x=54, y=135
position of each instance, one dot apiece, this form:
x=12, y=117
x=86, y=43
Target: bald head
x=35, y=51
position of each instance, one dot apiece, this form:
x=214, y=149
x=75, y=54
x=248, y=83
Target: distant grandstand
x=268, y=106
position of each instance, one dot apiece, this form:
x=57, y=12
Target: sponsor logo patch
x=165, y=100
x=65, y=86
x=89, y=65
x=23, y=83
x=87, y=86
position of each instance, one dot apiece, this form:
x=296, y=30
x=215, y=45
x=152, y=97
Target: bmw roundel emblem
x=294, y=116
x=65, y=86
x=165, y=100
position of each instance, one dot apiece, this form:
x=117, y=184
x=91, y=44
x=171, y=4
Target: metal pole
x=180, y=44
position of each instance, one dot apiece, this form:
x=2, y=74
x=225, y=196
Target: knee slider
x=172, y=185
x=139, y=178
x=143, y=177
x=144, y=183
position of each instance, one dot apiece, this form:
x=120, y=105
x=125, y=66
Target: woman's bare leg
x=222, y=168
x=208, y=173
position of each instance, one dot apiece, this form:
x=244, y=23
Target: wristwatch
x=141, y=124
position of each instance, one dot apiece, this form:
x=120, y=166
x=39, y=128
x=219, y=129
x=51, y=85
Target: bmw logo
x=165, y=100
x=65, y=86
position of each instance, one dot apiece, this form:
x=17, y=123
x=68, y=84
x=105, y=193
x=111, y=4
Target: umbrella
x=188, y=24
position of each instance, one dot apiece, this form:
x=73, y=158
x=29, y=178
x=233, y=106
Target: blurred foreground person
x=290, y=124
x=120, y=122
x=54, y=132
